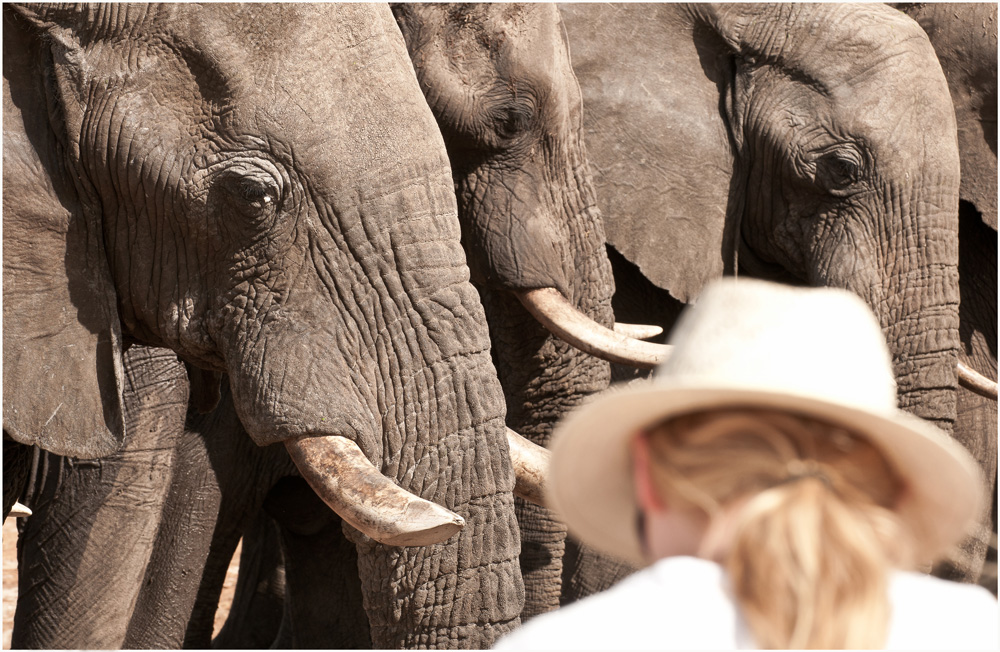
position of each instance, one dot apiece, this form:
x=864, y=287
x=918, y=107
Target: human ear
x=647, y=497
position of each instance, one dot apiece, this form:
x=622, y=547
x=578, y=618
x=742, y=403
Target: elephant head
x=262, y=189
x=499, y=81
x=964, y=37
x=813, y=144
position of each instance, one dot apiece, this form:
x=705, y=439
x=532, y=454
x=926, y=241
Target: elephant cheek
x=513, y=242
x=286, y=385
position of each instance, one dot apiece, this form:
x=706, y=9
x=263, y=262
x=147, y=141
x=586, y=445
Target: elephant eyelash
x=257, y=194
x=840, y=170
x=254, y=189
x=510, y=109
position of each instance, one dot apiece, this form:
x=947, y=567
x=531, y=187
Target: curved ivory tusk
x=350, y=485
x=976, y=382
x=638, y=331
x=556, y=314
x=531, y=465
x=19, y=511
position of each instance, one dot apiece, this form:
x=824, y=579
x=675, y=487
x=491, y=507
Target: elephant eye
x=252, y=191
x=514, y=121
x=840, y=171
x=257, y=194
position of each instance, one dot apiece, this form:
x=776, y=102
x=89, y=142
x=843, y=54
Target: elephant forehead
x=912, y=116
x=504, y=44
x=331, y=85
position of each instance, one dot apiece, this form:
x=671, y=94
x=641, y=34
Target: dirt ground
x=10, y=582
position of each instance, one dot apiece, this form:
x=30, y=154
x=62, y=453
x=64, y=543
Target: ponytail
x=812, y=547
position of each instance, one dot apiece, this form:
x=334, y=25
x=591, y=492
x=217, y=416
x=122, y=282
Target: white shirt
x=684, y=603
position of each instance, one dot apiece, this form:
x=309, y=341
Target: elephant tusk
x=531, y=465
x=976, y=382
x=19, y=511
x=556, y=314
x=351, y=486
x=638, y=331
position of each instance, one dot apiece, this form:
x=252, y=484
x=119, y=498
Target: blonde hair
x=811, y=548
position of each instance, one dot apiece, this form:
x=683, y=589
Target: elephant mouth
x=344, y=478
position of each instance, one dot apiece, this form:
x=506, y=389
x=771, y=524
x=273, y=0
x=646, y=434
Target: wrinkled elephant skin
x=743, y=140
x=964, y=37
x=262, y=190
x=499, y=80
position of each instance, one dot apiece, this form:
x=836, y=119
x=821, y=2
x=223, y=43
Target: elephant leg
x=183, y=546
x=325, y=605
x=83, y=554
x=16, y=466
x=258, y=608
x=243, y=473
x=976, y=423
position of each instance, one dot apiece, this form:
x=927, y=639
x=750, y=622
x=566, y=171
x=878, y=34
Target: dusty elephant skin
x=964, y=37
x=499, y=81
x=310, y=538
x=824, y=156
x=167, y=181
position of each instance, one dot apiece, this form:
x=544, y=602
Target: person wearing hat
x=770, y=489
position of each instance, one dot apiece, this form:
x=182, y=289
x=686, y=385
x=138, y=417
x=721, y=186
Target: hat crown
x=821, y=343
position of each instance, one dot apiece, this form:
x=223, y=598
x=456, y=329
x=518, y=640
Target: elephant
x=542, y=376
x=964, y=37
x=808, y=144
x=262, y=191
x=500, y=82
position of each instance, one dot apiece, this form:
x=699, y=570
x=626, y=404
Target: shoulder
x=931, y=613
x=676, y=603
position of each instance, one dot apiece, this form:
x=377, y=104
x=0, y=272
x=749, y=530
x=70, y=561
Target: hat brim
x=590, y=478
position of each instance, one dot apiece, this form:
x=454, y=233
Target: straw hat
x=817, y=352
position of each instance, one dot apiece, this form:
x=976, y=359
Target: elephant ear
x=62, y=366
x=657, y=137
x=965, y=40
x=977, y=141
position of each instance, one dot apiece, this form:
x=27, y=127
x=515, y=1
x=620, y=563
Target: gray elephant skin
x=964, y=36
x=499, y=82
x=517, y=156
x=167, y=182
x=812, y=144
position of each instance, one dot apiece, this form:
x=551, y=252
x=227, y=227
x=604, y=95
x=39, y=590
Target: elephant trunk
x=920, y=315
x=924, y=344
x=543, y=376
x=380, y=353
x=905, y=266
